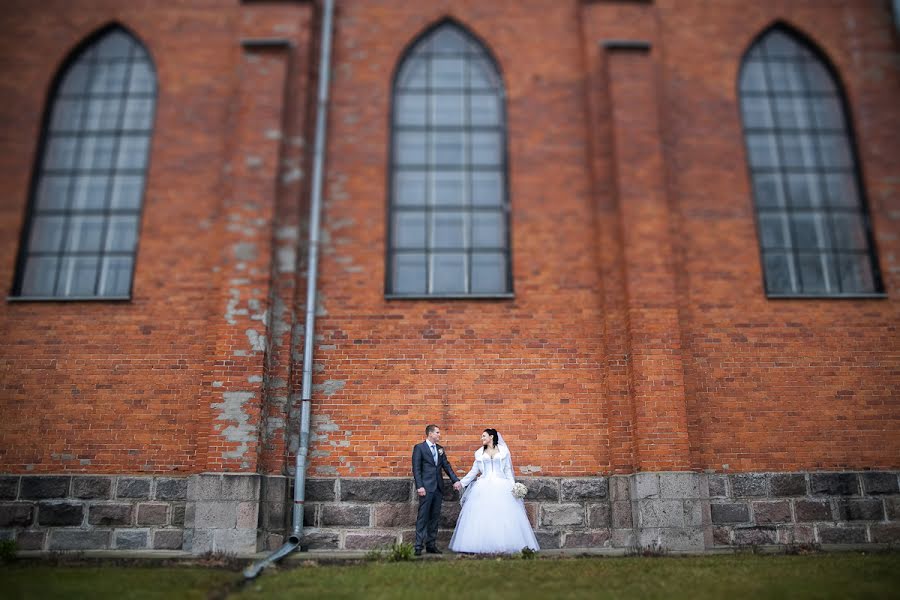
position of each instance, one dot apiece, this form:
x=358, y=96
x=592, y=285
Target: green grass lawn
x=697, y=578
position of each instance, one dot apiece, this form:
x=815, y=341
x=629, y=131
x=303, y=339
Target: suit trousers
x=427, y=519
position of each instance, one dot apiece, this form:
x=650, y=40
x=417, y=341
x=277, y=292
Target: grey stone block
x=696, y=513
x=111, y=514
x=240, y=487
x=729, y=513
x=322, y=490
x=178, y=511
x=9, y=487
x=834, y=484
x=400, y=514
x=42, y=487
x=16, y=514
x=623, y=538
x=679, y=486
x=131, y=539
x=749, y=485
x=754, y=536
x=133, y=487
x=247, y=515
x=812, y=510
x=170, y=539
x=829, y=534
x=718, y=486
x=660, y=513
x=892, y=507
x=449, y=494
x=868, y=509
x=60, y=514
x=273, y=488
x=618, y=488
x=645, y=485
x=588, y=539
x=345, y=515
x=547, y=540
x=205, y=486
x=788, y=484
x=772, y=512
x=272, y=515
x=376, y=490
x=449, y=515
x=886, y=534
x=671, y=539
x=797, y=534
x=213, y=515
x=599, y=516
x=309, y=515
x=91, y=488
x=368, y=541
x=721, y=536
x=877, y=483
x=541, y=489
x=621, y=515
x=152, y=514
x=588, y=488
x=565, y=515
x=320, y=540
x=31, y=540
x=78, y=539
x=171, y=488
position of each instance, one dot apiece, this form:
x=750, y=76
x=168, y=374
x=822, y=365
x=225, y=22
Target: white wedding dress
x=492, y=520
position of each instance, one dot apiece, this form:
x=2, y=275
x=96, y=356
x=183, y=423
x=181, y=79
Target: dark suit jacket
x=425, y=472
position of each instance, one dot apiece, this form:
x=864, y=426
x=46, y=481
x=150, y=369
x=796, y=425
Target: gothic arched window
x=448, y=232
x=811, y=213
x=81, y=233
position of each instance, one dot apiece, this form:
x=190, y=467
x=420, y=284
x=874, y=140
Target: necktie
x=433, y=452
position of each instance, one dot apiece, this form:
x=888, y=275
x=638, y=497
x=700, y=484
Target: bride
x=492, y=520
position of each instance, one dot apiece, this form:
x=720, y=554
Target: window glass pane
x=77, y=276
x=122, y=234
x=804, y=190
x=413, y=74
x=60, y=152
x=448, y=229
x=89, y=192
x=447, y=40
x=817, y=273
x=409, y=230
x=774, y=231
x=762, y=149
x=76, y=78
x=448, y=109
x=482, y=75
x=818, y=77
x=486, y=148
x=409, y=274
x=779, y=45
x=448, y=148
x=487, y=188
x=115, y=276
x=40, y=276
x=829, y=113
x=841, y=190
x=835, y=151
x=126, y=193
x=132, y=152
x=447, y=73
x=810, y=231
x=768, y=190
x=52, y=192
x=449, y=188
x=410, y=148
x=142, y=78
x=84, y=234
x=856, y=273
x=114, y=45
x=409, y=188
x=484, y=110
x=488, y=230
x=792, y=112
x=448, y=273
x=410, y=109
x=46, y=234
x=109, y=77
x=138, y=114
x=785, y=77
x=96, y=152
x=849, y=231
x=66, y=114
x=488, y=272
x=753, y=77
x=779, y=273
x=102, y=114
x=798, y=150
x=757, y=112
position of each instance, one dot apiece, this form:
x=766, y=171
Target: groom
x=428, y=459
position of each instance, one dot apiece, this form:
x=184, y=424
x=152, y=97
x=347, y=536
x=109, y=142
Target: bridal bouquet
x=519, y=490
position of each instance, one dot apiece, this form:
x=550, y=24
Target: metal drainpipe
x=309, y=330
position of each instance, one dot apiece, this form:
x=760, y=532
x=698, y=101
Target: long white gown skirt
x=492, y=520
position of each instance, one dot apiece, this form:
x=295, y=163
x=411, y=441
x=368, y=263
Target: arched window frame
x=117, y=175
x=393, y=168
x=782, y=169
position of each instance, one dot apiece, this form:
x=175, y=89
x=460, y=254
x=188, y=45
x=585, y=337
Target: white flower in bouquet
x=519, y=490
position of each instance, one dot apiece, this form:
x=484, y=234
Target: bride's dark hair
x=494, y=436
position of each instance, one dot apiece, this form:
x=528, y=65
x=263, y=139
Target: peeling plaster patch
x=232, y=309
x=326, y=470
x=56, y=456
x=356, y=269
x=239, y=429
x=257, y=341
x=292, y=175
x=253, y=162
x=327, y=347
x=287, y=260
x=272, y=134
x=241, y=353
x=330, y=387
x=529, y=469
x=85, y=461
x=275, y=383
x=321, y=311
x=218, y=383
x=341, y=223
x=254, y=379
x=245, y=251
x=297, y=142
x=287, y=233
x=319, y=454
x=319, y=367
x=323, y=423
x=240, y=281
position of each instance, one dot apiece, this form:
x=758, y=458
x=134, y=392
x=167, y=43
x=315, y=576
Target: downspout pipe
x=309, y=330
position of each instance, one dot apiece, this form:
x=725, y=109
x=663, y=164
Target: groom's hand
x=457, y=486
x=421, y=491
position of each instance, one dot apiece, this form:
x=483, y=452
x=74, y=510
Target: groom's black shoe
x=433, y=550
x=417, y=552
